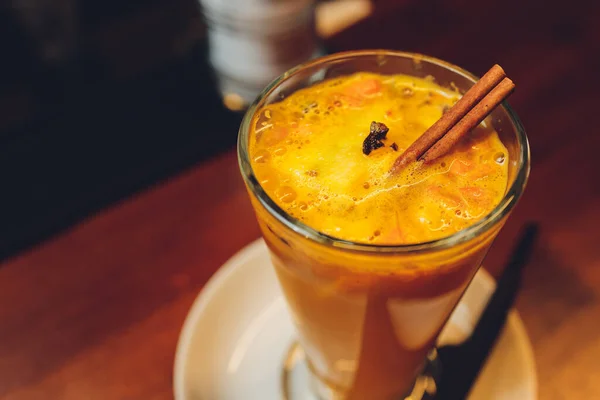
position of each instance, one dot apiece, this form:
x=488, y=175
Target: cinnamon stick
x=442, y=126
x=470, y=121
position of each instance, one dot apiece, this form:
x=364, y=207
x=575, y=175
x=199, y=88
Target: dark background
x=130, y=102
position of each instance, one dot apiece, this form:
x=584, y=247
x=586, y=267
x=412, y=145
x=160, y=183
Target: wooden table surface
x=95, y=312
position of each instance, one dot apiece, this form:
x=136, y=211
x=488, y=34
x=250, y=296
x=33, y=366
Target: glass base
x=297, y=382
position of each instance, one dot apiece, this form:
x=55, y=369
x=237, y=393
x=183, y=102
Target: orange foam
x=307, y=154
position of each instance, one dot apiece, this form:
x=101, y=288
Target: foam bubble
x=499, y=158
x=286, y=194
x=262, y=156
x=280, y=151
x=329, y=182
x=407, y=92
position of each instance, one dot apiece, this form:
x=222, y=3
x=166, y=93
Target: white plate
x=238, y=332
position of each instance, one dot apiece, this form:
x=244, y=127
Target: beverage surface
x=313, y=155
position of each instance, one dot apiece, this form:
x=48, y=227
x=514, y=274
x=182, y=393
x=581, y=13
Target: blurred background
x=97, y=100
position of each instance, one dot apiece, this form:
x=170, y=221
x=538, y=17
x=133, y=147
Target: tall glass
x=367, y=315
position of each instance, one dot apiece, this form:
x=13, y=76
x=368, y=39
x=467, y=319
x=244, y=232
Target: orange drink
x=371, y=263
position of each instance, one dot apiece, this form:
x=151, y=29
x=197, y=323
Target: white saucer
x=238, y=332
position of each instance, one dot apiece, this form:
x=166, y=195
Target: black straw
x=461, y=364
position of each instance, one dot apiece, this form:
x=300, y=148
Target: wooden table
x=95, y=313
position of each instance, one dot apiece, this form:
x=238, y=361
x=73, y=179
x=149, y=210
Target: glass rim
x=507, y=203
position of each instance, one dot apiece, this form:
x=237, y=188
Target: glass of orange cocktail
x=372, y=264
